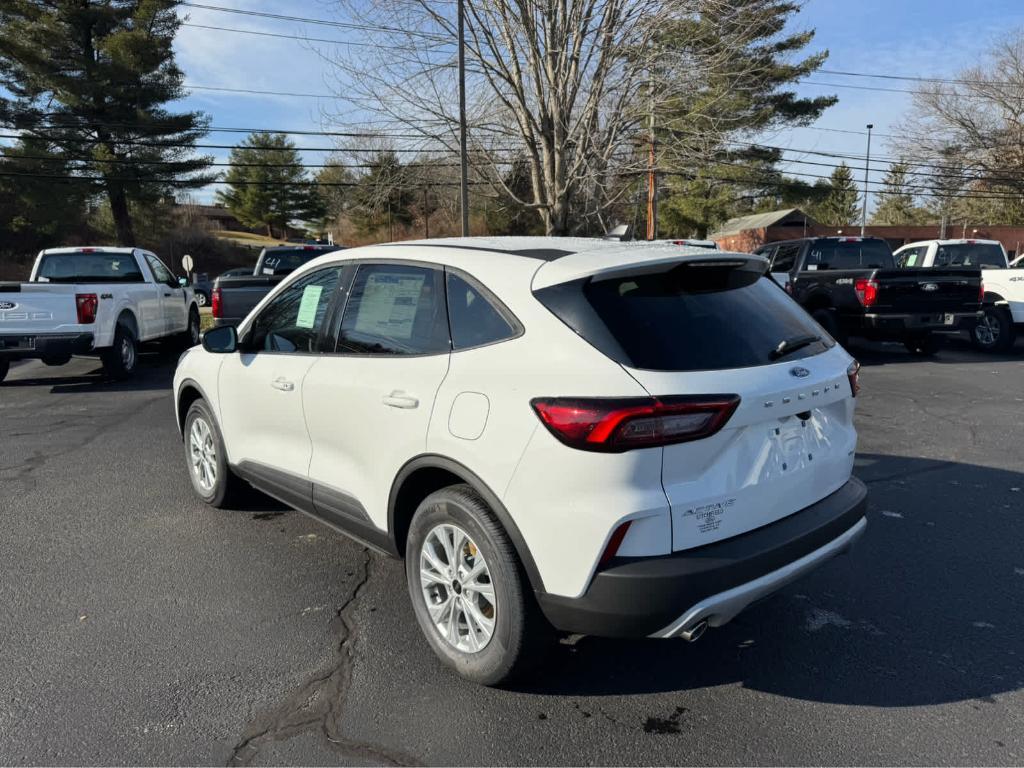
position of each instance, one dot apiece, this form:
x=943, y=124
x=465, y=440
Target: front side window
x=785, y=258
x=474, y=319
x=293, y=319
x=395, y=309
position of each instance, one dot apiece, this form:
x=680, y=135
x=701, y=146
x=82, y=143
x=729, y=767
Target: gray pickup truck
x=233, y=298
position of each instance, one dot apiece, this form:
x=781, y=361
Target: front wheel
x=469, y=592
x=212, y=478
x=994, y=332
x=201, y=299
x=120, y=360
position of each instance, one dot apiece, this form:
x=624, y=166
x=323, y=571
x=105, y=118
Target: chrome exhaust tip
x=693, y=634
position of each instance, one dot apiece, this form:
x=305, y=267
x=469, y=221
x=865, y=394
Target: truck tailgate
x=33, y=308
x=928, y=290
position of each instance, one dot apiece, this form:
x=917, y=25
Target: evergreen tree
x=840, y=206
x=268, y=186
x=92, y=78
x=896, y=204
x=384, y=196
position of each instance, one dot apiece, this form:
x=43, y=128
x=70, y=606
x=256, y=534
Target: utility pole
x=867, y=170
x=463, y=145
x=426, y=216
x=652, y=176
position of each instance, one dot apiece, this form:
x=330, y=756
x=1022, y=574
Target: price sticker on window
x=309, y=305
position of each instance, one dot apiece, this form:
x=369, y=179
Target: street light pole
x=867, y=170
x=463, y=146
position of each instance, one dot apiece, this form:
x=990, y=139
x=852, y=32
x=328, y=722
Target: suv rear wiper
x=788, y=346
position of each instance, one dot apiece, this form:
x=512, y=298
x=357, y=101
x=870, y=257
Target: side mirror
x=183, y=282
x=221, y=341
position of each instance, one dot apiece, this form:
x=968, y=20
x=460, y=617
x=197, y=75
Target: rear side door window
x=294, y=319
x=395, y=309
x=476, y=318
x=785, y=258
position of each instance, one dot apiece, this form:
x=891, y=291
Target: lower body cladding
x=681, y=594
x=52, y=345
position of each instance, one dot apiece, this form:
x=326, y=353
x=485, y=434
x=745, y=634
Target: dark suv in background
x=852, y=287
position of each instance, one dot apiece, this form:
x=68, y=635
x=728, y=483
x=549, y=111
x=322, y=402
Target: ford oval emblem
x=8, y=305
x=800, y=373
x=929, y=287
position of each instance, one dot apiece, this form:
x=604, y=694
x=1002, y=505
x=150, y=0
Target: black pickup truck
x=852, y=287
x=233, y=298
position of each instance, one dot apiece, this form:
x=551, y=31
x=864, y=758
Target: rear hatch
x=712, y=328
x=934, y=291
x=34, y=308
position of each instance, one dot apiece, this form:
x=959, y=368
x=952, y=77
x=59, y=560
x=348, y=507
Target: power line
x=920, y=79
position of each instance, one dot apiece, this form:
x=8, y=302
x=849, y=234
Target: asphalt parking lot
x=139, y=626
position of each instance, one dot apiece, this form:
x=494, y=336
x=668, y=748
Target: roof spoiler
x=617, y=263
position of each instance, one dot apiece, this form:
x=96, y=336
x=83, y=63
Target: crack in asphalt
x=319, y=703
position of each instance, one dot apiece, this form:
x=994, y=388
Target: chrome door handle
x=283, y=384
x=399, y=399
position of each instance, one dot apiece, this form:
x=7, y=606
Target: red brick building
x=748, y=233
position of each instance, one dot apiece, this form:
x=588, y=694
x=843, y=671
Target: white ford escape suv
x=614, y=439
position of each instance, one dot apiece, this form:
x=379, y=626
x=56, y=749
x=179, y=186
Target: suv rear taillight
x=86, y=305
x=215, y=302
x=866, y=290
x=853, y=374
x=612, y=425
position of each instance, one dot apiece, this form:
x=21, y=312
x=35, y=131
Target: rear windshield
x=94, y=267
x=856, y=254
x=988, y=255
x=688, y=319
x=285, y=260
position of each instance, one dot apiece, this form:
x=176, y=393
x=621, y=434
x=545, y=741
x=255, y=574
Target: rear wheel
x=469, y=592
x=827, y=319
x=56, y=361
x=924, y=344
x=5, y=366
x=994, y=332
x=191, y=336
x=212, y=478
x=120, y=360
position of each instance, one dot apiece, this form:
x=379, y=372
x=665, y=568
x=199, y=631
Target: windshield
x=987, y=255
x=284, y=260
x=92, y=267
x=849, y=254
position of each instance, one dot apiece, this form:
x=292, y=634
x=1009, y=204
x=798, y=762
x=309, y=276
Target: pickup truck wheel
x=926, y=344
x=119, y=360
x=201, y=299
x=994, y=332
x=212, y=478
x=5, y=366
x=827, y=319
x=469, y=593
x=53, y=362
x=191, y=336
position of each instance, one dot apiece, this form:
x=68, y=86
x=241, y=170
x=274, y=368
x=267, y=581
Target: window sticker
x=388, y=306
x=309, y=305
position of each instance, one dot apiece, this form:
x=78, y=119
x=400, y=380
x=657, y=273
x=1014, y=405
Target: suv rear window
x=93, y=267
x=988, y=255
x=852, y=254
x=688, y=319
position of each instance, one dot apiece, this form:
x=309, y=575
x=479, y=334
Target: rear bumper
x=34, y=346
x=926, y=321
x=665, y=596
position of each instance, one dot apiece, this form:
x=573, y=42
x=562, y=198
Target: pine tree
x=267, y=184
x=896, y=203
x=92, y=78
x=840, y=206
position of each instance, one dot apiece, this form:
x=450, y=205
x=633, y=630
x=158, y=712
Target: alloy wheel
x=203, y=453
x=987, y=331
x=456, y=585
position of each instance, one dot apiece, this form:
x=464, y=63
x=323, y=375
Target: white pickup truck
x=1004, y=284
x=94, y=301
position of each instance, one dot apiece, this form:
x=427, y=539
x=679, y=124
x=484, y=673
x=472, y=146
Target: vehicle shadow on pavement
x=952, y=350
x=155, y=371
x=925, y=610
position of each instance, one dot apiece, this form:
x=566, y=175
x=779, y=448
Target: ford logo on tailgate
x=8, y=305
x=800, y=373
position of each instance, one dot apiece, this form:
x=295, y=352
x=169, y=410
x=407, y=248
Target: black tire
x=53, y=362
x=226, y=487
x=925, y=344
x=191, y=337
x=521, y=635
x=5, y=366
x=121, y=359
x=827, y=319
x=995, y=333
